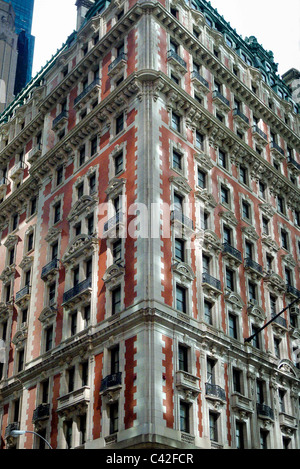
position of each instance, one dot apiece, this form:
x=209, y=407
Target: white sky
x=274, y=23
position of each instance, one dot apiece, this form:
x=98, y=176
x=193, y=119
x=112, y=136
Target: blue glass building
x=24, y=14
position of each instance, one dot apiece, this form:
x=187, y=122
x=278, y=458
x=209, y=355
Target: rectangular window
x=284, y=239
x=177, y=160
x=59, y=175
x=230, y=279
x=256, y=339
x=57, y=212
x=114, y=360
x=119, y=123
x=252, y=291
x=92, y=184
x=265, y=226
x=237, y=380
x=227, y=235
x=232, y=326
x=181, y=299
x=202, y=179
x=208, y=312
x=87, y=316
x=49, y=339
x=84, y=371
x=117, y=251
x=183, y=358
x=224, y=195
x=94, y=144
x=119, y=163
x=184, y=417
x=246, y=210
x=243, y=175
x=82, y=155
x=213, y=426
x=199, y=141
x=71, y=379
x=239, y=435
x=114, y=418
x=210, y=370
x=222, y=159
x=116, y=300
x=179, y=250
x=175, y=123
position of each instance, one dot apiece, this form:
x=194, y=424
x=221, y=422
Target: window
x=48, y=338
x=229, y=279
x=175, y=122
x=232, y=326
x=114, y=360
x=183, y=358
x=92, y=184
x=73, y=323
x=15, y=222
x=265, y=226
x=281, y=205
x=11, y=256
x=213, y=426
x=284, y=240
x=75, y=276
x=199, y=140
x=119, y=123
x=114, y=418
x=256, y=339
x=273, y=305
x=87, y=316
x=288, y=276
x=173, y=47
x=210, y=371
x=82, y=155
x=82, y=429
x=59, y=175
x=227, y=235
x=184, y=417
x=264, y=439
x=225, y=195
x=177, y=160
x=30, y=242
x=179, y=250
x=57, y=212
x=222, y=159
x=71, y=379
x=80, y=189
x=249, y=250
x=277, y=347
x=208, y=307
x=246, y=210
x=119, y=161
x=94, y=144
x=237, y=380
x=202, y=177
x=117, y=251
x=243, y=175
x=205, y=264
x=33, y=205
x=181, y=299
x=116, y=300
x=204, y=219
x=20, y=360
x=68, y=424
x=90, y=225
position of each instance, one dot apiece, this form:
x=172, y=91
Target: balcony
x=200, y=82
x=42, y=412
x=254, y=268
x=176, y=61
x=60, y=120
x=221, y=101
x=79, y=398
x=215, y=392
x=233, y=255
x=287, y=422
x=241, y=119
x=290, y=290
x=50, y=269
x=78, y=293
x=88, y=93
x=276, y=150
x=116, y=66
x=111, y=382
x=241, y=403
x=264, y=411
x=181, y=222
x=22, y=296
x=17, y=170
x=113, y=226
x=188, y=383
x=259, y=135
x=279, y=321
x=211, y=285
x=34, y=154
x=292, y=164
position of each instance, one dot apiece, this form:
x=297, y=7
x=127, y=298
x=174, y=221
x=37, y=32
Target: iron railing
x=213, y=282
x=177, y=215
x=173, y=55
x=218, y=95
x=215, y=391
x=291, y=289
x=25, y=291
x=200, y=78
x=290, y=161
x=41, y=412
x=237, y=112
x=114, y=221
x=280, y=321
x=86, y=91
x=275, y=146
x=253, y=265
x=120, y=57
x=265, y=411
x=79, y=288
x=232, y=251
x=111, y=381
x=258, y=131
x=52, y=265
x=60, y=117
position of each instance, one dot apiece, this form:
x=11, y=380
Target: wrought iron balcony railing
x=120, y=57
x=253, y=265
x=110, y=381
x=52, y=265
x=218, y=95
x=20, y=294
x=258, y=131
x=213, y=282
x=293, y=291
x=291, y=161
x=276, y=147
x=280, y=321
x=113, y=221
x=63, y=115
x=41, y=412
x=173, y=55
x=265, y=411
x=86, y=91
x=77, y=290
x=178, y=216
x=197, y=76
x=237, y=112
x=232, y=251
x=215, y=391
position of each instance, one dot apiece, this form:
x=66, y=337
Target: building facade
x=8, y=54
x=149, y=220
x=23, y=26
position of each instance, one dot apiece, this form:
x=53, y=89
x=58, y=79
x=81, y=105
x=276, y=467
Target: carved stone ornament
x=85, y=205
x=235, y=300
x=211, y=241
x=286, y=366
x=289, y=260
x=113, y=274
x=267, y=209
x=115, y=186
x=207, y=199
x=26, y=262
x=19, y=338
x=270, y=243
x=47, y=315
x=229, y=217
x=275, y=282
x=11, y=241
x=7, y=273
x=204, y=160
x=184, y=271
x=52, y=234
x=250, y=232
x=257, y=312
x=181, y=184
x=83, y=244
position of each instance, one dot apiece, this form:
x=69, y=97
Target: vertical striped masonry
x=149, y=224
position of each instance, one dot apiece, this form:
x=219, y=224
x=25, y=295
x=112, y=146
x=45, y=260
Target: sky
x=274, y=23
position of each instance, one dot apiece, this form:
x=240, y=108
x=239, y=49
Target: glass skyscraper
x=24, y=14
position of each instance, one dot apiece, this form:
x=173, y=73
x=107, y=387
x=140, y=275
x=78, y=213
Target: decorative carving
x=47, y=315
x=181, y=183
x=184, y=271
x=229, y=217
x=115, y=186
x=113, y=274
x=85, y=205
x=82, y=244
x=235, y=300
